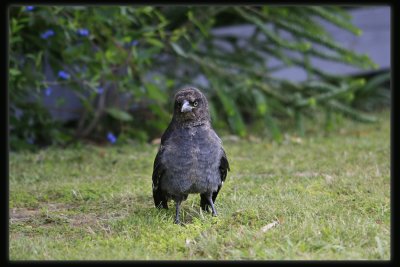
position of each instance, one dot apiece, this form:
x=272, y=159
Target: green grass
x=330, y=195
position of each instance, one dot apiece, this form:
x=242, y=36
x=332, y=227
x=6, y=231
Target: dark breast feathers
x=191, y=166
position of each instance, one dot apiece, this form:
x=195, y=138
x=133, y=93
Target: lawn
x=319, y=197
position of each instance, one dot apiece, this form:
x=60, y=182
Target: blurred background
x=107, y=75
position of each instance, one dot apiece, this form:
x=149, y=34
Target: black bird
x=191, y=158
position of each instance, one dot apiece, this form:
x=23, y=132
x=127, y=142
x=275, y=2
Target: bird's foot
x=205, y=209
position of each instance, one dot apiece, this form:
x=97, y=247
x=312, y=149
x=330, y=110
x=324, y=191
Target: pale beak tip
x=186, y=107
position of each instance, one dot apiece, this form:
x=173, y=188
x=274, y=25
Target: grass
x=329, y=197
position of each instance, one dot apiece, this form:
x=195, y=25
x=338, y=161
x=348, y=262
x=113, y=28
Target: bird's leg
x=204, y=202
x=209, y=198
x=178, y=207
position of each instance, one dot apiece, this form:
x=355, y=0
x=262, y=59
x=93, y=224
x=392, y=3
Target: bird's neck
x=188, y=124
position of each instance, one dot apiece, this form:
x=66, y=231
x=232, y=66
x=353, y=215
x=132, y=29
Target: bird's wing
x=159, y=169
x=158, y=172
x=223, y=170
x=167, y=133
x=223, y=166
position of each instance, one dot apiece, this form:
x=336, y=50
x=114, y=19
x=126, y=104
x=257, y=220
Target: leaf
x=14, y=72
x=235, y=119
x=312, y=102
x=127, y=39
x=110, y=54
x=155, y=42
x=269, y=226
x=147, y=9
x=119, y=114
x=38, y=59
x=15, y=26
x=177, y=34
x=261, y=102
x=227, y=103
x=200, y=25
x=375, y=82
x=355, y=114
x=178, y=49
x=145, y=55
x=155, y=93
x=335, y=19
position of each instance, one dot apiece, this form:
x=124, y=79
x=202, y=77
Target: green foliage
x=375, y=94
x=119, y=114
x=124, y=63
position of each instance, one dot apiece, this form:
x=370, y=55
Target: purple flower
x=29, y=8
x=100, y=90
x=111, y=138
x=63, y=75
x=48, y=91
x=83, y=32
x=134, y=43
x=47, y=34
x=18, y=113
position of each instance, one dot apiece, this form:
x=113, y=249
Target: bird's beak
x=186, y=107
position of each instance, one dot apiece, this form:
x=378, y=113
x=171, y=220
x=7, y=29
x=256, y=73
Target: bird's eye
x=195, y=103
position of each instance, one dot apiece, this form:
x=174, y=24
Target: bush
x=124, y=63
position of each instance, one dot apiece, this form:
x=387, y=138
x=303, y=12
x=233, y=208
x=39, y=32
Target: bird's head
x=191, y=106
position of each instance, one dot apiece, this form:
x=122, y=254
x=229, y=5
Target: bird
x=190, y=158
